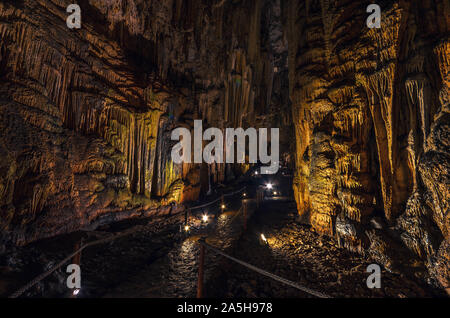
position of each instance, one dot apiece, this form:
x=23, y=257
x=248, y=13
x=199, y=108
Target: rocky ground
x=103, y=266
x=297, y=253
x=159, y=261
x=155, y=254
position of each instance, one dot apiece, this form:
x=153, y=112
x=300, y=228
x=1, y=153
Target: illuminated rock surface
x=371, y=115
x=86, y=115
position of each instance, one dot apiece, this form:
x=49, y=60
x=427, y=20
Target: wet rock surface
x=157, y=258
x=102, y=266
x=175, y=274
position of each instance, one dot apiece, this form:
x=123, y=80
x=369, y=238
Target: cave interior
x=363, y=114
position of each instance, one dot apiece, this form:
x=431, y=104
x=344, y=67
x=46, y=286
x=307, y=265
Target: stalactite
x=328, y=20
x=238, y=90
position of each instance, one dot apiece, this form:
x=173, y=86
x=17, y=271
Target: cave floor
x=293, y=252
x=296, y=253
x=162, y=261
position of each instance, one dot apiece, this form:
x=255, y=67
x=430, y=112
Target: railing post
x=77, y=258
x=201, y=264
x=245, y=216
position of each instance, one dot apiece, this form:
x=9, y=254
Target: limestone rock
x=86, y=114
x=371, y=116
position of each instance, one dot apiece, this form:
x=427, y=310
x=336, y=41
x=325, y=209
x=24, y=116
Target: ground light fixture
x=263, y=238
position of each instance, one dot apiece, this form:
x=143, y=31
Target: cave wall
x=371, y=115
x=86, y=114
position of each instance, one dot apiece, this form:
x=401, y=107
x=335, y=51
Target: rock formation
x=371, y=116
x=86, y=114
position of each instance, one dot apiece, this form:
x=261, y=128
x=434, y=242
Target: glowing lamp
x=76, y=291
x=263, y=238
x=269, y=186
x=186, y=228
x=205, y=218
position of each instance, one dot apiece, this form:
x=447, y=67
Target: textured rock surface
x=371, y=115
x=86, y=114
